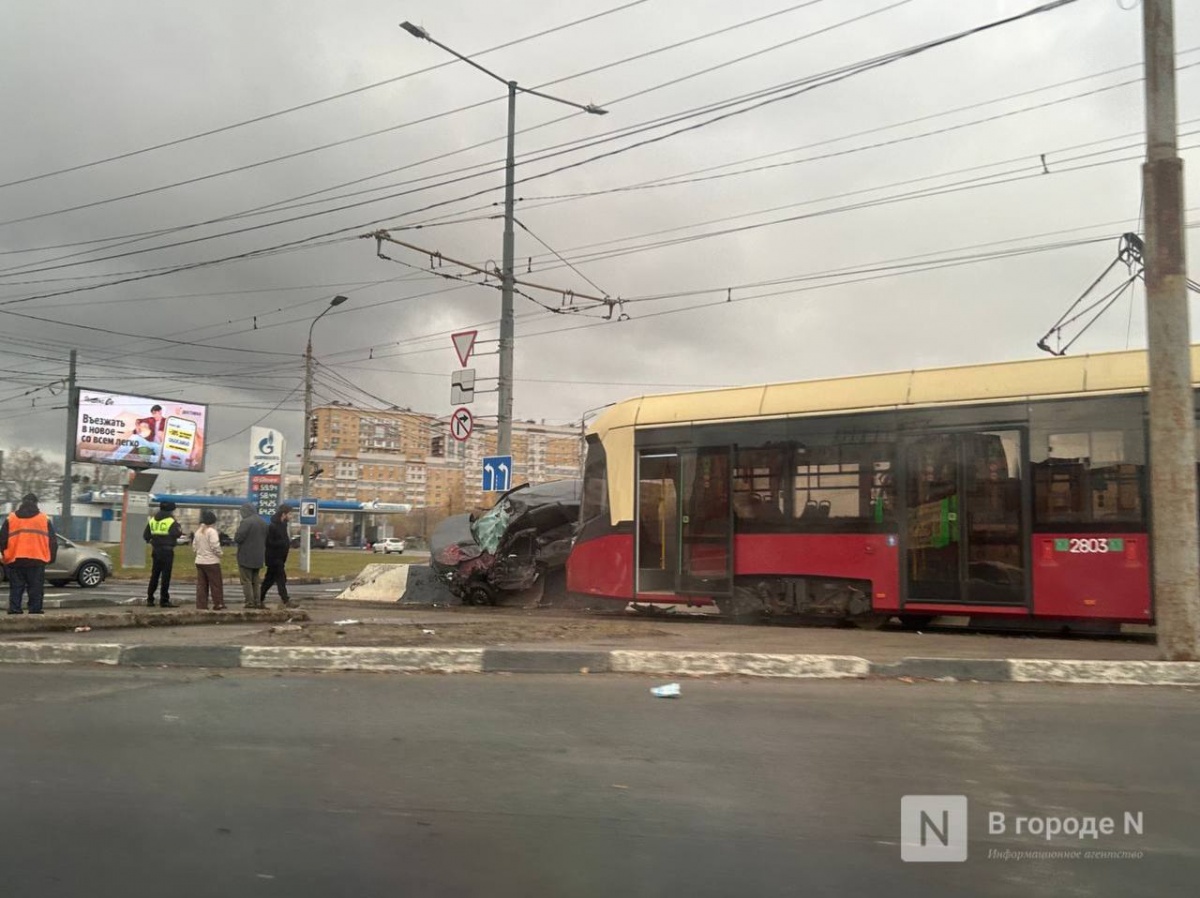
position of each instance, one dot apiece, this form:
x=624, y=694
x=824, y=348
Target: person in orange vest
x=28, y=543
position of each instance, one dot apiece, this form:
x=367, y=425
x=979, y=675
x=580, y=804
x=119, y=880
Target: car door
x=63, y=566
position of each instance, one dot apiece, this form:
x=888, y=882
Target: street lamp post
x=505, y=381
x=305, y=463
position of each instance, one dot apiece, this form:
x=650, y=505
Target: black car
x=319, y=541
x=521, y=540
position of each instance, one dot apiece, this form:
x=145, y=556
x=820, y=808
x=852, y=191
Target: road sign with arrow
x=461, y=424
x=497, y=473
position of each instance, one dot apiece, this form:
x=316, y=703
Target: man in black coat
x=279, y=543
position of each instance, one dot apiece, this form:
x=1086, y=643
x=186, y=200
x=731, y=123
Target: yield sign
x=461, y=424
x=464, y=344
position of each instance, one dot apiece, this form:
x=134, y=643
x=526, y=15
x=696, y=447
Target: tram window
x=1089, y=477
x=758, y=485
x=840, y=486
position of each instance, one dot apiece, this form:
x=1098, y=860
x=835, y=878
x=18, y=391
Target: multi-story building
x=409, y=457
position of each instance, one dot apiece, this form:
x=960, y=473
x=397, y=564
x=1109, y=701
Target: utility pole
x=505, y=385
x=64, y=519
x=305, y=462
x=1174, y=551
x=306, y=530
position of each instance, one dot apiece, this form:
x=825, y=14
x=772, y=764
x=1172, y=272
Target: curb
x=566, y=661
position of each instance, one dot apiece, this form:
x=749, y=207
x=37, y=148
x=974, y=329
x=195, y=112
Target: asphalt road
x=189, y=784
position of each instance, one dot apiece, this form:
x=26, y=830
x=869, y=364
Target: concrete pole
x=305, y=464
x=64, y=519
x=504, y=413
x=1176, y=558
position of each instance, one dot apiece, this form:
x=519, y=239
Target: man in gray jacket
x=251, y=539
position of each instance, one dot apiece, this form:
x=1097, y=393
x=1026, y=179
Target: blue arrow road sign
x=497, y=473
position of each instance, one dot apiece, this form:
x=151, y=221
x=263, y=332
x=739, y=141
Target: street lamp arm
x=421, y=34
x=583, y=107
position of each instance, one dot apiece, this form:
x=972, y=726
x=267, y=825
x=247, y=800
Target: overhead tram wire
x=311, y=103
x=848, y=275
x=1029, y=171
x=756, y=99
x=1033, y=173
x=616, y=134
x=269, y=207
x=268, y=414
x=1031, y=13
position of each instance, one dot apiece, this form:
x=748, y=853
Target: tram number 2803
x=1090, y=546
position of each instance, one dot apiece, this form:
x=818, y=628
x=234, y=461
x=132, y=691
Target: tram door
x=965, y=518
x=706, y=525
x=685, y=522
x=657, y=522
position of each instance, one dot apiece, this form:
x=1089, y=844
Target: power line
x=318, y=102
x=756, y=99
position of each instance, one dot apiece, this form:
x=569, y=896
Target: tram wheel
x=870, y=621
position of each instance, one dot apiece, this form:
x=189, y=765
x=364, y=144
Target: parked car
x=87, y=567
x=523, y=539
x=319, y=541
x=388, y=545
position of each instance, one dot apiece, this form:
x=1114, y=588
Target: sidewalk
x=344, y=636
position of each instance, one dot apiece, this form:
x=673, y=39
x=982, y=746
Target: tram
x=1013, y=490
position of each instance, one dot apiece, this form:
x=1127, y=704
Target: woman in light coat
x=206, y=543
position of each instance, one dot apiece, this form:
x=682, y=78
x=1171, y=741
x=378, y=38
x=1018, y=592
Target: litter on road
x=671, y=690
x=346, y=623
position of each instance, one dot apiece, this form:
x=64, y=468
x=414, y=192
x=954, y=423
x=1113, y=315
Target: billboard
x=140, y=431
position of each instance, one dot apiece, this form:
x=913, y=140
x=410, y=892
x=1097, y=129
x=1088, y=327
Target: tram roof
x=1096, y=374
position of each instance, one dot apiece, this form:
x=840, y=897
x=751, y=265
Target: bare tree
x=27, y=471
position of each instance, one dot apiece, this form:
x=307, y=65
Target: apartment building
x=407, y=456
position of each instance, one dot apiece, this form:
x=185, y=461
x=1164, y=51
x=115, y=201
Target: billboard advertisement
x=140, y=431
x=266, y=469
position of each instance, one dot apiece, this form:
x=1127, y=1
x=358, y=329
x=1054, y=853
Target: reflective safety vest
x=161, y=527
x=28, y=538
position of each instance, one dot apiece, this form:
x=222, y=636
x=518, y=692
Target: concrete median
x=558, y=660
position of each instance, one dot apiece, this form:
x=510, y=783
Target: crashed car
x=520, y=542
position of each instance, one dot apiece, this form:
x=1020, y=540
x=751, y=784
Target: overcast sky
x=852, y=165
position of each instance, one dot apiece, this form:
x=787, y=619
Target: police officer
x=28, y=544
x=162, y=532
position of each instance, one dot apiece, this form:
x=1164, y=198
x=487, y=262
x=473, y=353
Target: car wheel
x=91, y=574
x=479, y=593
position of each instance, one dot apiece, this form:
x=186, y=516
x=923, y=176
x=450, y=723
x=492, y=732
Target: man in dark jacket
x=162, y=532
x=278, y=544
x=28, y=543
x=251, y=539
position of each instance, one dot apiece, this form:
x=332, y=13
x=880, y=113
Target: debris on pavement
x=425, y=631
x=83, y=629
x=346, y=623
x=287, y=628
x=671, y=690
